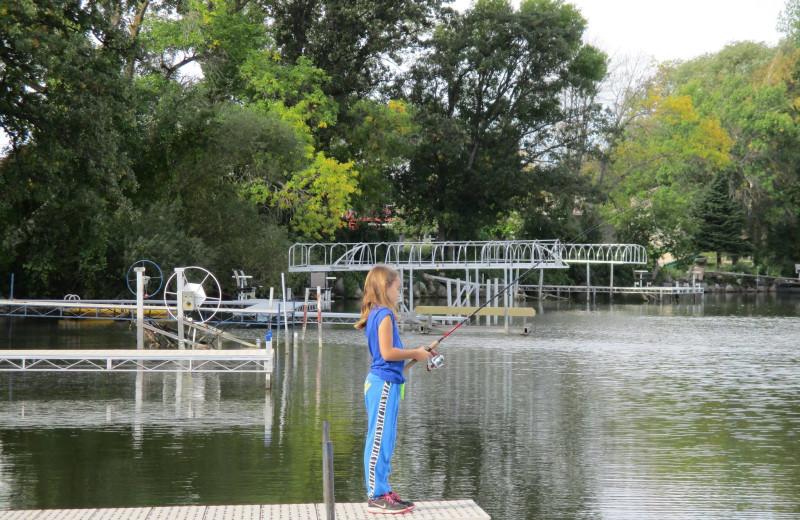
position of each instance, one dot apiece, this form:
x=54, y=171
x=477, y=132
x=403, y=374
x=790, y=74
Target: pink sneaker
x=408, y=503
x=386, y=505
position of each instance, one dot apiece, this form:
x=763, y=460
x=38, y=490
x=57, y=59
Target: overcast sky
x=674, y=30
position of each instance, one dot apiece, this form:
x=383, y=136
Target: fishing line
x=437, y=361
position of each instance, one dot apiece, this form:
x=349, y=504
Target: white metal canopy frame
x=545, y=254
x=604, y=253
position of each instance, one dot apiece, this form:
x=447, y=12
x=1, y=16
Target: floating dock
x=446, y=510
x=236, y=312
x=130, y=360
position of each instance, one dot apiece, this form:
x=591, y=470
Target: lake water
x=623, y=411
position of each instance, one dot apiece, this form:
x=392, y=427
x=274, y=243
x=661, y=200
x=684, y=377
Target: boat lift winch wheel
x=202, y=294
x=152, y=273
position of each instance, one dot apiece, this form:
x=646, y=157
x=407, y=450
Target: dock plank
x=176, y=513
x=131, y=513
x=232, y=513
x=439, y=510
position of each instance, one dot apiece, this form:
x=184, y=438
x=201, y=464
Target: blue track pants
x=383, y=400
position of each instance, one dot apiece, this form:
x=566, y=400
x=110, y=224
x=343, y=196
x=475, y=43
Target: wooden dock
x=445, y=510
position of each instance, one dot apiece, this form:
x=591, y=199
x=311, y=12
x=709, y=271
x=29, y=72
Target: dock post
x=278, y=328
x=541, y=282
x=477, y=289
x=179, y=304
x=449, y=294
x=410, y=289
x=285, y=309
x=305, y=312
x=488, y=297
x=11, y=294
x=139, y=307
x=611, y=287
x=588, y=279
x=497, y=302
x=319, y=314
x=327, y=472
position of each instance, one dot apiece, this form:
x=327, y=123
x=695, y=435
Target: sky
x=678, y=29
x=673, y=30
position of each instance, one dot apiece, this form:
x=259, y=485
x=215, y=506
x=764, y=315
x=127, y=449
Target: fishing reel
x=436, y=361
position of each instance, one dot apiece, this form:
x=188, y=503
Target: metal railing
x=305, y=257
x=547, y=254
x=604, y=254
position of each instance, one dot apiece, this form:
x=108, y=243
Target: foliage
x=353, y=41
x=749, y=87
x=65, y=106
x=657, y=165
x=720, y=221
x=215, y=133
x=488, y=97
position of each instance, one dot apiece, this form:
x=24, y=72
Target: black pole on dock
x=327, y=472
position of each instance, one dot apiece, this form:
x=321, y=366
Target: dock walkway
x=129, y=360
x=446, y=510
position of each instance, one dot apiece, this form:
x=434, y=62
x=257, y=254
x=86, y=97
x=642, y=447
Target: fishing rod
x=437, y=360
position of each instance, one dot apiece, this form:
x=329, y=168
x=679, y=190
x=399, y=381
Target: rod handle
x=428, y=348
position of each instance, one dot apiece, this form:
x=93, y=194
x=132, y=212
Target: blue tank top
x=391, y=371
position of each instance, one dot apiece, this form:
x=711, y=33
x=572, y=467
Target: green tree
x=656, y=165
x=65, y=104
x=358, y=43
x=719, y=221
x=488, y=94
x=749, y=88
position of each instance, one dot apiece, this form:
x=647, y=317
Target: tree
x=665, y=153
x=749, y=88
x=488, y=97
x=720, y=221
x=356, y=42
x=65, y=104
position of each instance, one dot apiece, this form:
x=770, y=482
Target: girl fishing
x=383, y=386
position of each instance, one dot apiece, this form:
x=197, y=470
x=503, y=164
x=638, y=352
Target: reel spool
x=152, y=274
x=202, y=294
x=435, y=362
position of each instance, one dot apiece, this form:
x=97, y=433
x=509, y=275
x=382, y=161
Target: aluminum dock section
x=157, y=360
x=446, y=510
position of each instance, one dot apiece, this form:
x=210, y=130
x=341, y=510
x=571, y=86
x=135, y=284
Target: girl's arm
x=386, y=344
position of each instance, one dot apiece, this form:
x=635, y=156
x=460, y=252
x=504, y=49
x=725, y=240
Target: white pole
x=541, y=282
x=611, y=288
x=179, y=282
x=305, y=312
x=505, y=299
x=319, y=314
x=467, y=288
x=449, y=294
x=285, y=305
x=477, y=289
x=488, y=298
x=411, y=289
x=496, y=303
x=139, y=307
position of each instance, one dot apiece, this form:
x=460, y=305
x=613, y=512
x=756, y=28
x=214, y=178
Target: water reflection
x=612, y=411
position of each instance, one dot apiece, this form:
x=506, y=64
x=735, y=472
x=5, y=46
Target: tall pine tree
x=719, y=221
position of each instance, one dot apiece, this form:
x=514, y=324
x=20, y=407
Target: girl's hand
x=421, y=355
